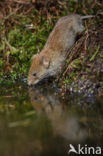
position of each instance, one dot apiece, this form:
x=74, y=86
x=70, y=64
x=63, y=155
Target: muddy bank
x=83, y=71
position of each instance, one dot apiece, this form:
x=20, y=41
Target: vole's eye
x=34, y=74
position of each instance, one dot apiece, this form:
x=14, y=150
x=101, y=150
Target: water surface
x=38, y=122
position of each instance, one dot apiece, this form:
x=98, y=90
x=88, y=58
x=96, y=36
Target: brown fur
x=60, y=40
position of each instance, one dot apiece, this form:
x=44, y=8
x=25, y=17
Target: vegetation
x=45, y=118
x=24, y=29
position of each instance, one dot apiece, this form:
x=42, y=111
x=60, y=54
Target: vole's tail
x=86, y=17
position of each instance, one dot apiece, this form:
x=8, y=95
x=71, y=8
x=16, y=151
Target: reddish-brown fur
x=60, y=40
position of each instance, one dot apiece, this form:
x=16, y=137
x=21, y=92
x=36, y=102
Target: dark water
x=38, y=122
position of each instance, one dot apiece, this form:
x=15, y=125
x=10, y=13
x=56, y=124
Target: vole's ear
x=45, y=62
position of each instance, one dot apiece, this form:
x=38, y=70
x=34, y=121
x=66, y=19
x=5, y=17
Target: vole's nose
x=32, y=81
x=29, y=81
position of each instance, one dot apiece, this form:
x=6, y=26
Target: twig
x=72, y=52
x=11, y=14
x=85, y=42
x=20, y=2
x=11, y=47
x=30, y=9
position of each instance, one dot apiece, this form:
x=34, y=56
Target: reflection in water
x=44, y=125
x=63, y=123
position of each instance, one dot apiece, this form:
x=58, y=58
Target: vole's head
x=78, y=24
x=38, y=70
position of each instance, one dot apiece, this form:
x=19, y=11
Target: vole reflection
x=64, y=121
